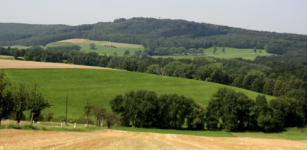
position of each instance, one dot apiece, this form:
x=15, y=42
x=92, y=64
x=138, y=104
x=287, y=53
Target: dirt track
x=112, y=139
x=40, y=65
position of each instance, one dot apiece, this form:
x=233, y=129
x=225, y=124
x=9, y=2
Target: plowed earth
x=112, y=139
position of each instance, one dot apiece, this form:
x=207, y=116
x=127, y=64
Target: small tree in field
x=92, y=46
x=214, y=49
x=255, y=50
x=6, y=100
x=21, y=101
x=126, y=53
x=111, y=119
x=99, y=113
x=87, y=111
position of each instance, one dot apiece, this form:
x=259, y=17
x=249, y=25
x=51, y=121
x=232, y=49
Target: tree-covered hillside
x=157, y=33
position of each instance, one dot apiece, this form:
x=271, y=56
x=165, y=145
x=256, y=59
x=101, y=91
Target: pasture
x=17, y=46
x=7, y=57
x=229, y=53
x=101, y=49
x=99, y=86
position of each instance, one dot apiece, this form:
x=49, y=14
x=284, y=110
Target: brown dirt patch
x=75, y=41
x=112, y=139
x=41, y=65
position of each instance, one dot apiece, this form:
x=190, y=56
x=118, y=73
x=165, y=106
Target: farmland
x=99, y=86
x=101, y=49
x=100, y=46
x=112, y=139
x=229, y=53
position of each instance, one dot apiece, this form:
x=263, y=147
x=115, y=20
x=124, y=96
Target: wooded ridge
x=156, y=33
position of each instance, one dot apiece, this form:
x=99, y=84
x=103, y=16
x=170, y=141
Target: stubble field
x=112, y=139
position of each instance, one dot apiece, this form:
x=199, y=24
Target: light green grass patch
x=229, y=53
x=100, y=46
x=172, y=131
x=17, y=46
x=290, y=134
x=100, y=86
x=7, y=57
x=236, y=53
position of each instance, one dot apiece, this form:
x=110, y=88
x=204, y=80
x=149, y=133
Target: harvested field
x=40, y=65
x=112, y=139
x=75, y=41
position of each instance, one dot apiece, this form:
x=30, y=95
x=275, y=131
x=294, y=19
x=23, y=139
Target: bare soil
x=40, y=65
x=112, y=139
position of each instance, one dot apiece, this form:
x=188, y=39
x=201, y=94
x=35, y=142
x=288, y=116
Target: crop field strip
x=41, y=65
x=112, y=139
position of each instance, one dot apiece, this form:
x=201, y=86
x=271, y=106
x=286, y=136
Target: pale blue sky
x=289, y=16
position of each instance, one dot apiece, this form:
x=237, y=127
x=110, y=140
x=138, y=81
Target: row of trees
x=71, y=47
x=227, y=110
x=234, y=111
x=144, y=108
x=100, y=114
x=14, y=101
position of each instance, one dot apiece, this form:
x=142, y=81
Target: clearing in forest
x=101, y=47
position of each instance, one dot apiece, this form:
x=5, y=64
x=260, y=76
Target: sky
x=283, y=16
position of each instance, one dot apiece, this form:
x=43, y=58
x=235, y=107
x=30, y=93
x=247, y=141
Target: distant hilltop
x=153, y=33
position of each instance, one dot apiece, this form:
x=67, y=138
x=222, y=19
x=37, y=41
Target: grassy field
x=290, y=133
x=229, y=53
x=121, y=47
x=17, y=46
x=100, y=86
x=7, y=57
x=100, y=46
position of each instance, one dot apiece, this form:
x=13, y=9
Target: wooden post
x=32, y=118
x=66, y=109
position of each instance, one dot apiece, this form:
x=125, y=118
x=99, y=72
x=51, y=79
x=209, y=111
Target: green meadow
x=100, y=46
x=100, y=86
x=17, y=46
x=101, y=49
x=7, y=57
x=229, y=53
x=290, y=134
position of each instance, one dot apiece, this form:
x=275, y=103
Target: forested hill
x=156, y=33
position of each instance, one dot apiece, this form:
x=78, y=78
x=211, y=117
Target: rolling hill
x=102, y=47
x=153, y=33
x=100, y=86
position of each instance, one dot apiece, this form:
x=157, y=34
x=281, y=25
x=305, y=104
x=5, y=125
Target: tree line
x=15, y=100
x=144, y=108
x=234, y=111
x=264, y=75
x=227, y=110
x=71, y=47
